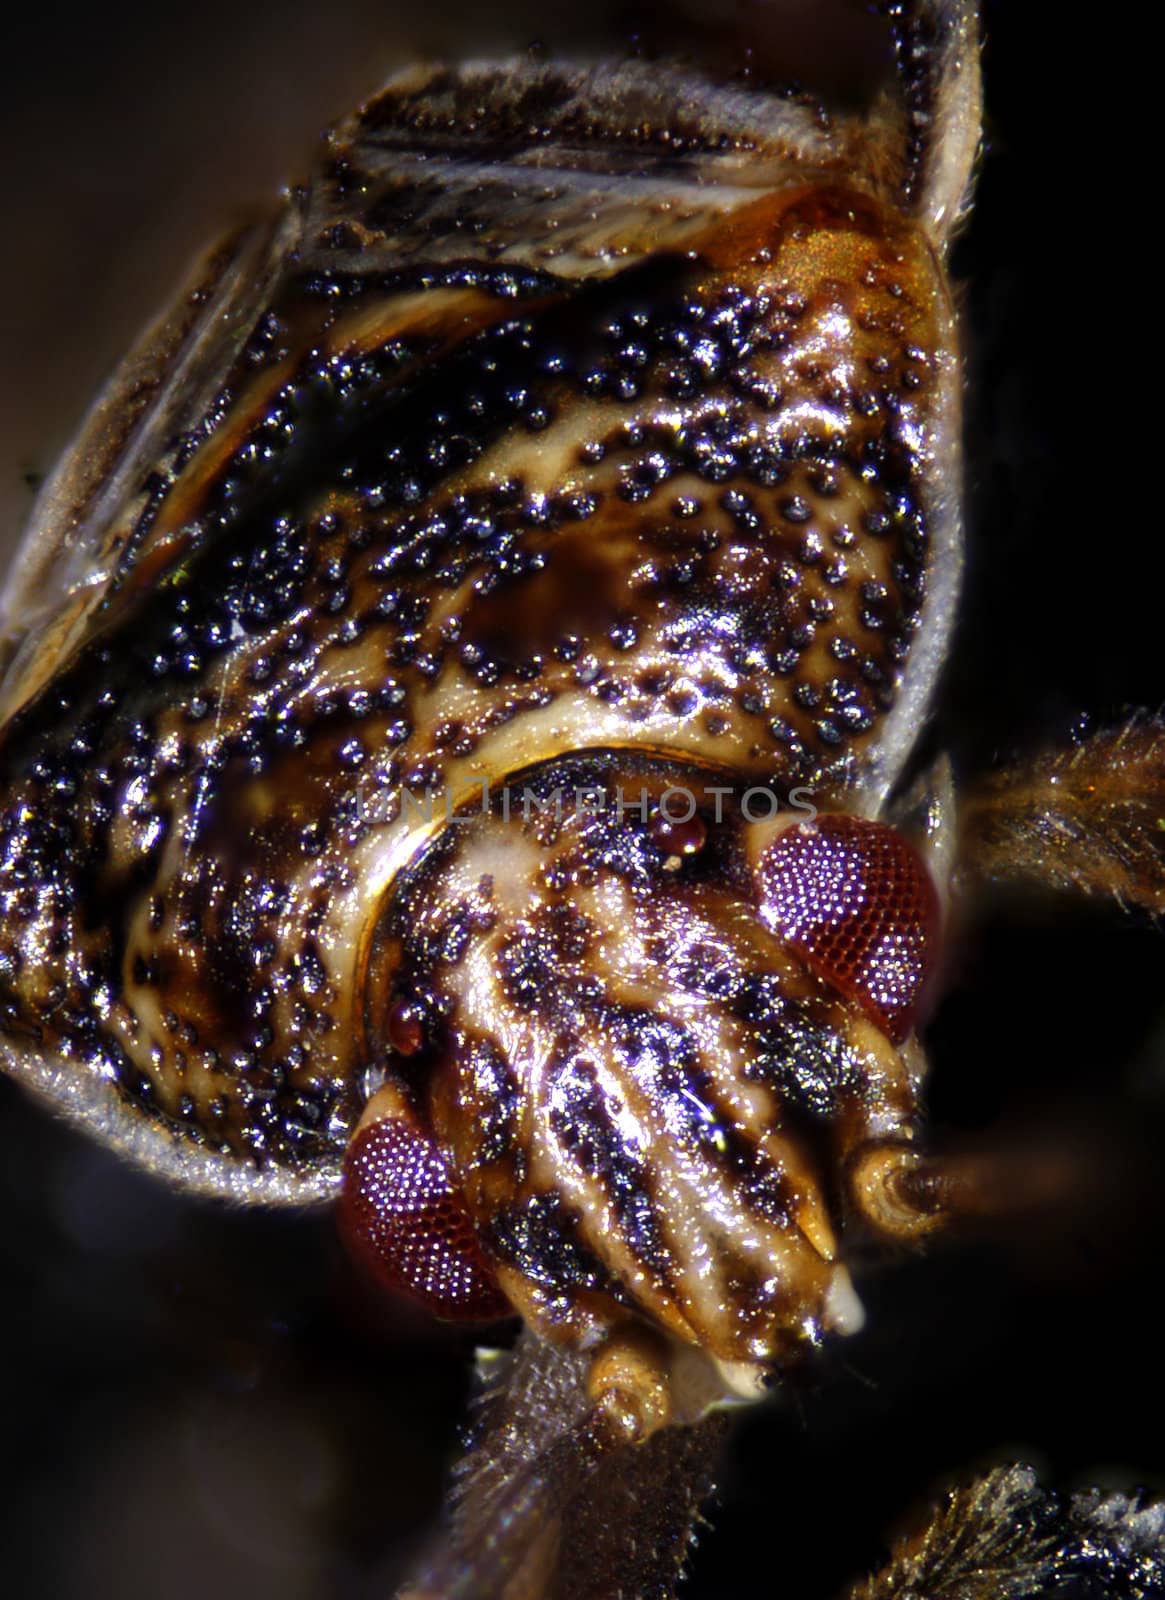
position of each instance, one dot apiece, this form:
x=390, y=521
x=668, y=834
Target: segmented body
x=584, y=432
x=572, y=425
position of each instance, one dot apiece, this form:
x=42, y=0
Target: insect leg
x=1003, y=1537
x=562, y=1494
x=1090, y=819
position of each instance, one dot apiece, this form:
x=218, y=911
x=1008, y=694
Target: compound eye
x=855, y=900
x=404, y=1219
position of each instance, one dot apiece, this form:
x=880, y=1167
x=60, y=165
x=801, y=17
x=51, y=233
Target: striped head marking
x=597, y=425
x=644, y=1087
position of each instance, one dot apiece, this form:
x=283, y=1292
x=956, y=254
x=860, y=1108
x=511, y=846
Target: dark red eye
x=404, y=1219
x=856, y=901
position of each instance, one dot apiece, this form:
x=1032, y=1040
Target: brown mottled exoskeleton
x=458, y=755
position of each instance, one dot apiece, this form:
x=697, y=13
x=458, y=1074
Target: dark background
x=197, y=1402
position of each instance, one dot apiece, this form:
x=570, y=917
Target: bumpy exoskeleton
x=454, y=688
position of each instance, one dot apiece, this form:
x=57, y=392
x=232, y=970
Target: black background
x=198, y=1402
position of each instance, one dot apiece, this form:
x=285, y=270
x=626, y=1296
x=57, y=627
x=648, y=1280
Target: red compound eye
x=855, y=900
x=405, y=1220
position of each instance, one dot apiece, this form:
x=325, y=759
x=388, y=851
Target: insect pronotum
x=459, y=701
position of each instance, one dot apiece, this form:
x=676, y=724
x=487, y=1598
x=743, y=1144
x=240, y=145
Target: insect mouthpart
x=642, y=1094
